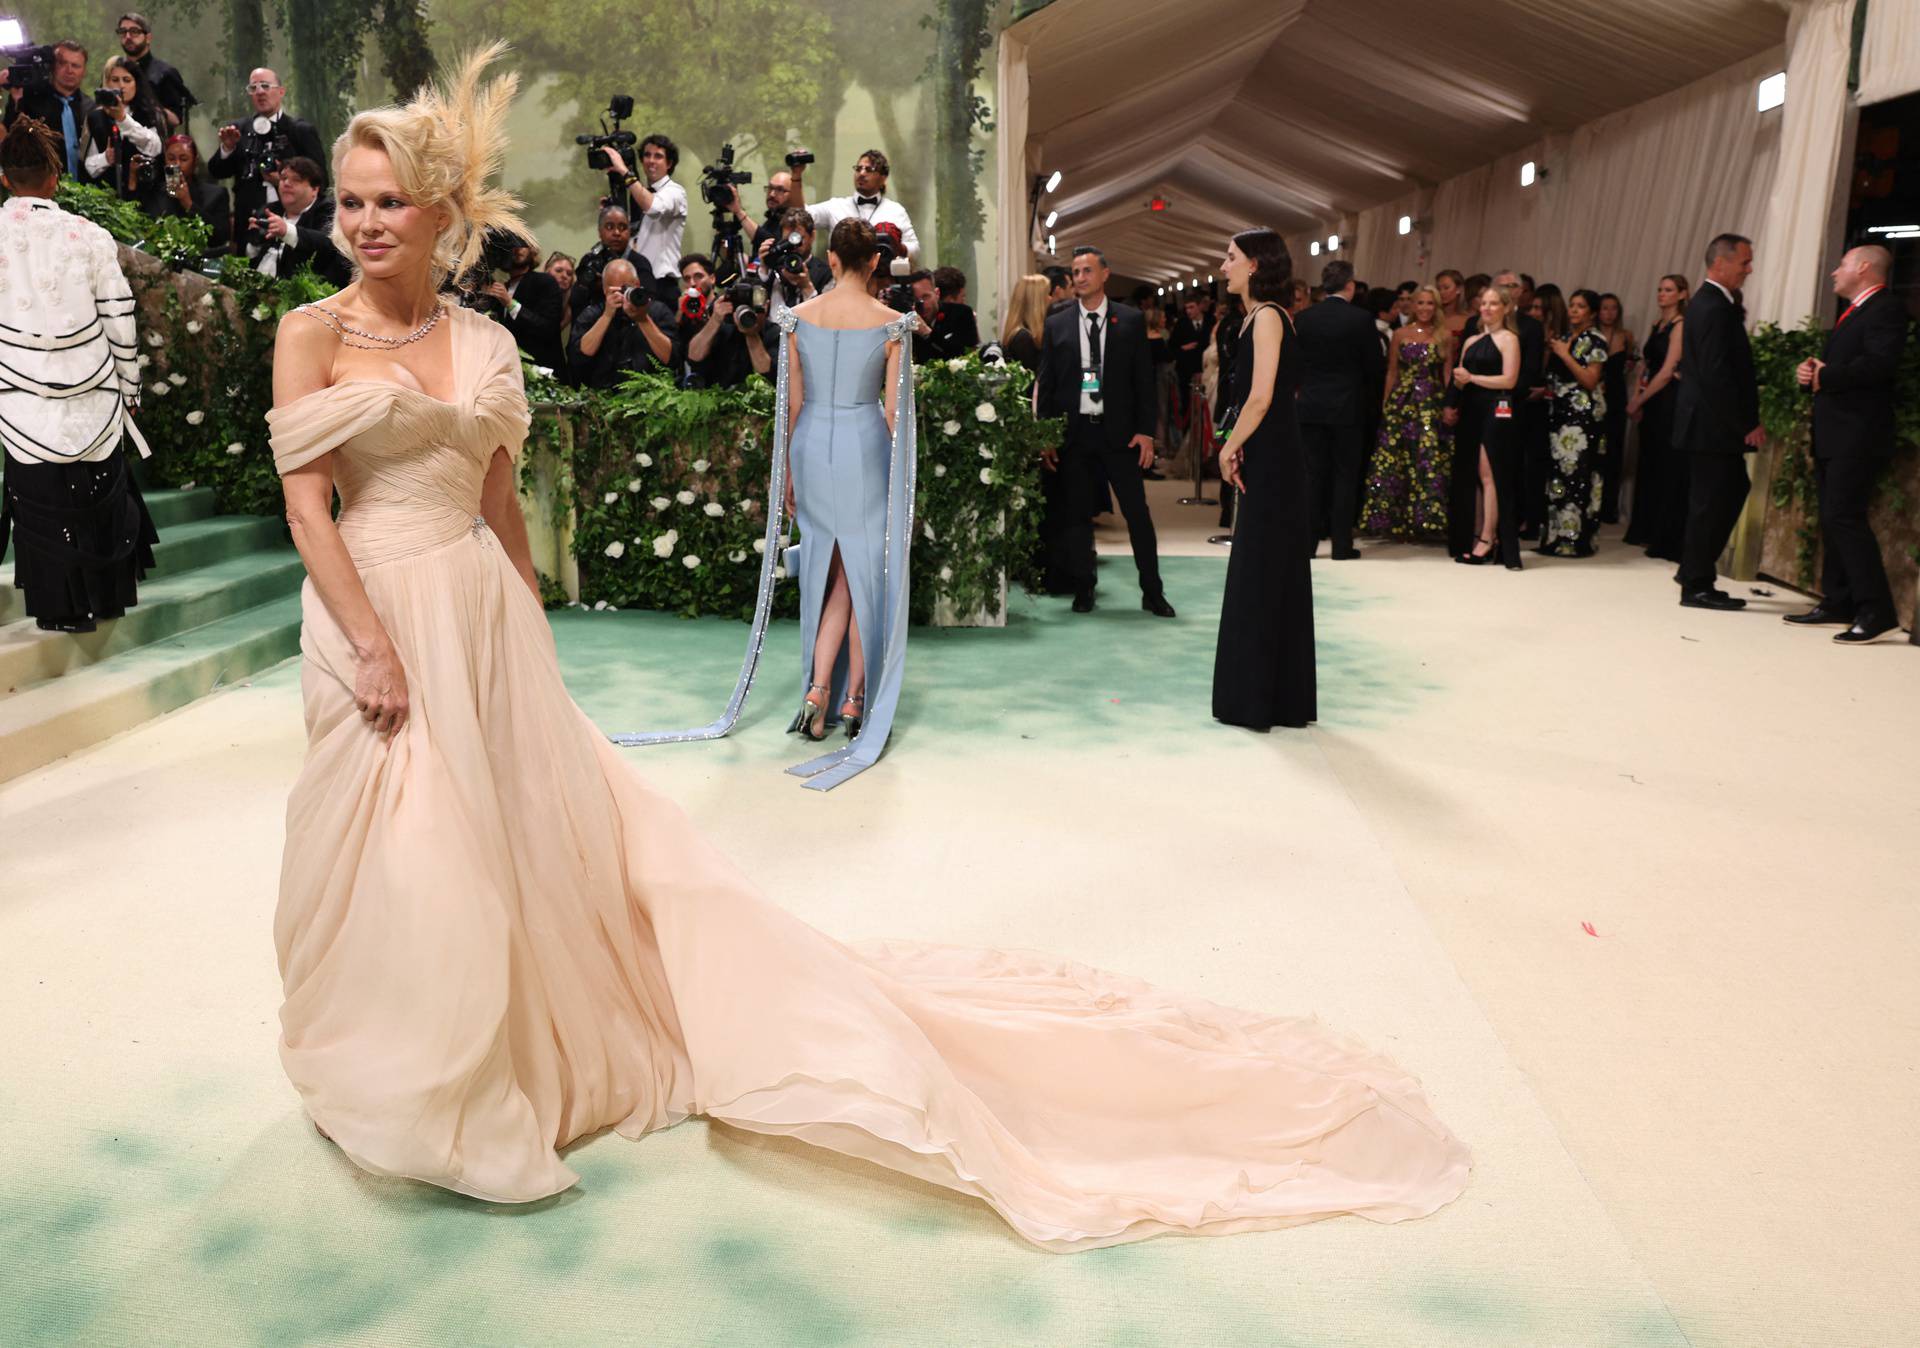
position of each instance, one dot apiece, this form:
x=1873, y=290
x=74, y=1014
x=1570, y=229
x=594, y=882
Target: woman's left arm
x=500, y=506
x=893, y=381
x=1587, y=371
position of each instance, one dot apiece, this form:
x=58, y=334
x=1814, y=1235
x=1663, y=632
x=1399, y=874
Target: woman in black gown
x=1621, y=355
x=1486, y=457
x=1263, y=672
x=1659, y=519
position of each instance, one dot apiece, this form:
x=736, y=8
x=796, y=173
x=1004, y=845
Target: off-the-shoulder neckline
x=454, y=317
x=871, y=327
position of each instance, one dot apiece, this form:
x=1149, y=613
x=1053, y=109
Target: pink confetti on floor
x=1587, y=927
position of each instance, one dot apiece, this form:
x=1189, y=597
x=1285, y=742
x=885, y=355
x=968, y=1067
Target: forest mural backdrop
x=911, y=77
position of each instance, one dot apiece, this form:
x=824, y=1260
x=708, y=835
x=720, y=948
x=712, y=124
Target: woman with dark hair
x=188, y=191
x=1621, y=355
x=123, y=140
x=1575, y=415
x=1486, y=450
x=1263, y=672
x=1451, y=287
x=560, y=267
x=1659, y=519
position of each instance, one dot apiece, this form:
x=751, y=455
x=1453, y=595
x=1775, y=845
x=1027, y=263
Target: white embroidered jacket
x=68, y=362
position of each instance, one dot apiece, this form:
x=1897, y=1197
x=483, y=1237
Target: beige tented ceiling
x=1294, y=113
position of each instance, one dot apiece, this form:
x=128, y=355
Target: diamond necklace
x=378, y=342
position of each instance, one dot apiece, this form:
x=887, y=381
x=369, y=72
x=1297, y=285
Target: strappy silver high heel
x=810, y=722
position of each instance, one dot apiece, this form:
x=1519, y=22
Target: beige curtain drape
x=1890, y=50
x=1626, y=198
x=1013, y=178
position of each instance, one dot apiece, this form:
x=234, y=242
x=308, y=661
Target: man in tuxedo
x=1853, y=391
x=250, y=156
x=1716, y=419
x=297, y=229
x=1340, y=360
x=59, y=103
x=1096, y=371
x=529, y=302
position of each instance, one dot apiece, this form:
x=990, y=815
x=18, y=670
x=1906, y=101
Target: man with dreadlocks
x=68, y=379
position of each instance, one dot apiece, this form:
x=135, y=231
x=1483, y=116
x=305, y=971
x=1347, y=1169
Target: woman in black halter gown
x=1263, y=672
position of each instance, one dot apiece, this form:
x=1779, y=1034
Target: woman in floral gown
x=1576, y=420
x=1406, y=496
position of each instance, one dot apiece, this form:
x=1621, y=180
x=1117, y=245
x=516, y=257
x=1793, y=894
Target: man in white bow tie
x=869, y=201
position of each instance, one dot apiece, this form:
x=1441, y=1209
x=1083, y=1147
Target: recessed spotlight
x=1406, y=224
x=1528, y=172
x=1051, y=248
x=1333, y=243
x=1163, y=290
x=1314, y=248
x=1773, y=91
x=1179, y=285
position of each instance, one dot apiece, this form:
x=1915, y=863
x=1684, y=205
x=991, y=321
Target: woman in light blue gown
x=850, y=485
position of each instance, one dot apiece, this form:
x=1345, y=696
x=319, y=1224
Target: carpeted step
x=167, y=607
x=59, y=716
x=170, y=506
x=203, y=542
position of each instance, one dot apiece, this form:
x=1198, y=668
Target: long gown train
x=496, y=940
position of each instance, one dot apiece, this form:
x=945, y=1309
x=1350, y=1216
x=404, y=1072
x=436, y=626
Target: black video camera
x=107, y=98
x=799, y=158
x=29, y=66
x=749, y=305
x=261, y=152
x=789, y=254
x=720, y=181
x=619, y=109
x=898, y=296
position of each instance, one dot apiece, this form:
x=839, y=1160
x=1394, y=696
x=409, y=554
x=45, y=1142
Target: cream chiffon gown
x=496, y=939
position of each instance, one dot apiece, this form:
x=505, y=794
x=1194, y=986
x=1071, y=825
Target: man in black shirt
x=624, y=331
x=529, y=303
x=710, y=351
x=955, y=330
x=60, y=104
x=616, y=243
x=297, y=230
x=169, y=90
x=251, y=155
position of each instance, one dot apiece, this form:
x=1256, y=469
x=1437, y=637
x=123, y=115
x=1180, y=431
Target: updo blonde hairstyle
x=444, y=145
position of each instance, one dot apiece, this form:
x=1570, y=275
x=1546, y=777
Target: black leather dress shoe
x=1820, y=616
x=1865, y=630
x=1083, y=602
x=1157, y=605
x=1715, y=599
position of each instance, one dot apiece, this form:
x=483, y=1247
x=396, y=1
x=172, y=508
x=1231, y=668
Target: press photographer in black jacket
x=253, y=148
x=296, y=230
x=626, y=330
x=530, y=303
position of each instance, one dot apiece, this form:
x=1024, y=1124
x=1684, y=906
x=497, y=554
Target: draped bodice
x=842, y=367
x=408, y=466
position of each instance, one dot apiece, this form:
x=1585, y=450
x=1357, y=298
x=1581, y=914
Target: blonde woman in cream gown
x=496, y=939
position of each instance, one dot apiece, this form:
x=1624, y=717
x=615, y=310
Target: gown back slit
x=495, y=939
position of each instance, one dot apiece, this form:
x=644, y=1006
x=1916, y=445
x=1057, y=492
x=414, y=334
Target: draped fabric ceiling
x=1300, y=114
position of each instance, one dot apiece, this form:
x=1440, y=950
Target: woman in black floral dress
x=1576, y=422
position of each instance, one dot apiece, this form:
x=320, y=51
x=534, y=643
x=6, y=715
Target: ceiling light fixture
x=1053, y=218
x=1773, y=91
x=1406, y=224
x=1528, y=171
x=1053, y=183
x=1890, y=229
x=1314, y=248
x=1050, y=245
x=1333, y=243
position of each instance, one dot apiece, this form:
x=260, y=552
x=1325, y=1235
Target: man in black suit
x=529, y=302
x=1340, y=360
x=1853, y=391
x=297, y=230
x=1097, y=371
x=1716, y=420
x=250, y=155
x=59, y=103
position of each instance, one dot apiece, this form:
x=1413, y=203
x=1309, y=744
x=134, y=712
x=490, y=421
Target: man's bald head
x=619, y=272
x=1861, y=269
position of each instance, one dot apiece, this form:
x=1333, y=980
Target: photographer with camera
x=529, y=303
x=170, y=92
x=626, y=330
x=660, y=206
x=184, y=190
x=869, y=202
x=926, y=308
x=955, y=330
x=287, y=234
x=786, y=262
x=253, y=149
x=721, y=330
x=616, y=244
x=123, y=148
x=51, y=93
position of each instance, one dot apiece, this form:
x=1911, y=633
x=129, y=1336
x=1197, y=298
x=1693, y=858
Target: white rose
x=644, y=460
x=946, y=573
x=195, y=418
x=673, y=536
x=616, y=549
x=699, y=465
x=957, y=364
x=633, y=484
x=544, y=371
x=1019, y=500
x=599, y=605
x=690, y=561
x=779, y=571
x=663, y=546
x=986, y=412
x=236, y=449
x=737, y=555
x=986, y=476
x=176, y=379
x=684, y=497
x=939, y=470
x=162, y=389
x=714, y=508
x=610, y=498
x=144, y=360
x=927, y=529
x=985, y=453
x=261, y=313
x=950, y=427
x=155, y=339
x=206, y=300
x=193, y=325
x=759, y=545
x=660, y=503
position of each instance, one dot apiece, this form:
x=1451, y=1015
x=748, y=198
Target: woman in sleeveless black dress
x=1263, y=672
x=1486, y=455
x=1659, y=520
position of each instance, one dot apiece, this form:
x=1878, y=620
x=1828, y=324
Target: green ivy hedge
x=667, y=487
